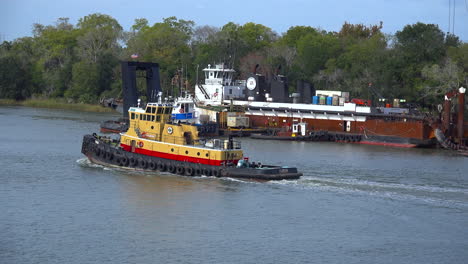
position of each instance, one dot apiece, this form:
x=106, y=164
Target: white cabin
x=219, y=86
x=185, y=110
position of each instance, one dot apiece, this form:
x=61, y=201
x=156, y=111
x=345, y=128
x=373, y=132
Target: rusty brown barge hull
x=395, y=131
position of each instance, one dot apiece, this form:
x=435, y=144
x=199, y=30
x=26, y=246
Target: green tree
x=99, y=34
x=314, y=51
x=53, y=48
x=417, y=46
x=98, y=49
x=166, y=43
x=459, y=55
x=421, y=43
x=85, y=84
x=294, y=34
x=15, y=74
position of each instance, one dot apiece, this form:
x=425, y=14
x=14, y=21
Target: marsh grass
x=56, y=104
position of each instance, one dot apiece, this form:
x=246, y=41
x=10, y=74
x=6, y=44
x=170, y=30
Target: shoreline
x=57, y=104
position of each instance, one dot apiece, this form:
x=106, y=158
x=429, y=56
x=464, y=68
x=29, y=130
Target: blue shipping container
x=315, y=99
x=329, y=100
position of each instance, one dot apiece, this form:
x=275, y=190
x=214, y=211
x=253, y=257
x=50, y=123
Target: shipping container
x=323, y=100
x=327, y=93
x=341, y=101
x=335, y=100
x=315, y=99
x=345, y=95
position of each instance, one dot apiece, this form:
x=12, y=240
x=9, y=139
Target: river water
x=354, y=204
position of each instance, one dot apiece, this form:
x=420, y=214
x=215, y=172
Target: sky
x=18, y=16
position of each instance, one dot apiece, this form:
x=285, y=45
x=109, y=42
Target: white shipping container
x=327, y=93
x=342, y=101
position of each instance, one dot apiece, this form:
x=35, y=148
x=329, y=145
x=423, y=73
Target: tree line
x=81, y=62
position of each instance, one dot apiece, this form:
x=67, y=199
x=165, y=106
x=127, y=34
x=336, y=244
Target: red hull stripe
x=399, y=145
x=175, y=156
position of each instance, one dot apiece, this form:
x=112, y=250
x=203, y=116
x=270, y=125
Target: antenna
x=453, y=18
x=449, y=18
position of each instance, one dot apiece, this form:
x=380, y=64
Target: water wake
x=434, y=195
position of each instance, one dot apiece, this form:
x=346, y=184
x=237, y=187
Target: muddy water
x=355, y=204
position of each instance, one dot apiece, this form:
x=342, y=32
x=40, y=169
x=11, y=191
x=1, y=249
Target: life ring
x=140, y=144
x=152, y=165
x=143, y=163
x=198, y=171
x=161, y=166
x=180, y=170
x=189, y=171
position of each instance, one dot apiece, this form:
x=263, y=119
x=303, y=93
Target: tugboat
x=154, y=142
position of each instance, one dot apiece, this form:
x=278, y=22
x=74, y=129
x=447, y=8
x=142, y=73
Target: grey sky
x=18, y=16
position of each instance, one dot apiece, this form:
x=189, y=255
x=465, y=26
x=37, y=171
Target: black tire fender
x=124, y=161
x=143, y=163
x=170, y=168
x=109, y=155
x=97, y=151
x=180, y=170
x=152, y=165
x=133, y=162
x=161, y=166
x=206, y=172
x=189, y=171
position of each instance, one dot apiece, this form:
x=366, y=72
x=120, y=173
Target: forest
x=80, y=63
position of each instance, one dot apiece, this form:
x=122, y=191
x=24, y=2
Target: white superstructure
x=219, y=86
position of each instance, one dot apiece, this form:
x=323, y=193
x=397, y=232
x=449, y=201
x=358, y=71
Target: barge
x=269, y=105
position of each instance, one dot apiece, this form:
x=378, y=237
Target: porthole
x=172, y=150
x=198, y=153
x=152, y=127
x=206, y=154
x=186, y=152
